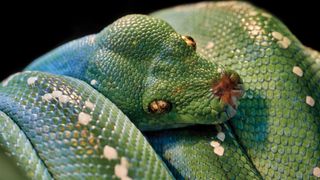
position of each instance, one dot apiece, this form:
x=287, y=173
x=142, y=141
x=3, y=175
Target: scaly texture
x=75, y=131
x=19, y=148
x=189, y=155
x=139, y=59
x=278, y=129
x=163, y=79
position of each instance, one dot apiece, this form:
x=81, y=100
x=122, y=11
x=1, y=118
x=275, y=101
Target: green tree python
x=213, y=90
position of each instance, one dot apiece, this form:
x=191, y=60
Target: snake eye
x=190, y=41
x=159, y=107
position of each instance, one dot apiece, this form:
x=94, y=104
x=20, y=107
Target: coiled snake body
x=67, y=116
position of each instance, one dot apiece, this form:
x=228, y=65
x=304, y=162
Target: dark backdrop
x=29, y=30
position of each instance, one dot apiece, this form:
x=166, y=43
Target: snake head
x=164, y=81
x=183, y=88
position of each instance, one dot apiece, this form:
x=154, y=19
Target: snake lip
x=229, y=89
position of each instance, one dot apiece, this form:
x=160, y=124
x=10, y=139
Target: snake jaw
x=229, y=89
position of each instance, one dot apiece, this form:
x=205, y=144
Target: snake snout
x=229, y=89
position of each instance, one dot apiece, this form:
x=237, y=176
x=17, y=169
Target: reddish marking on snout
x=225, y=88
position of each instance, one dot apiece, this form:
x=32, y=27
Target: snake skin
x=277, y=129
x=69, y=149
x=55, y=126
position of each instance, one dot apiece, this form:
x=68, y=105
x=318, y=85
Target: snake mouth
x=229, y=89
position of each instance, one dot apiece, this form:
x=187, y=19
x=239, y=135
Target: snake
x=211, y=90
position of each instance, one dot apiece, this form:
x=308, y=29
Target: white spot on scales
x=221, y=136
x=56, y=94
x=93, y=82
x=32, y=80
x=121, y=170
x=84, y=118
x=64, y=98
x=124, y=161
x=219, y=150
x=316, y=171
x=310, y=101
x=277, y=35
x=298, y=71
x=89, y=105
x=214, y=144
x=283, y=41
x=110, y=152
x=47, y=97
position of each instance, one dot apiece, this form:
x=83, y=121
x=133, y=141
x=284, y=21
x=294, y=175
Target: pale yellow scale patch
x=217, y=147
x=219, y=150
x=124, y=161
x=277, y=35
x=31, y=80
x=282, y=41
x=121, y=170
x=89, y=105
x=84, y=118
x=56, y=94
x=286, y=42
x=310, y=101
x=214, y=144
x=110, y=153
x=64, y=98
x=316, y=171
x=298, y=71
x=47, y=97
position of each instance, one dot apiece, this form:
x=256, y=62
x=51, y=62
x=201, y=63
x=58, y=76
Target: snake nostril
x=228, y=88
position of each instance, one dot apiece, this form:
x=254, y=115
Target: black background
x=30, y=30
